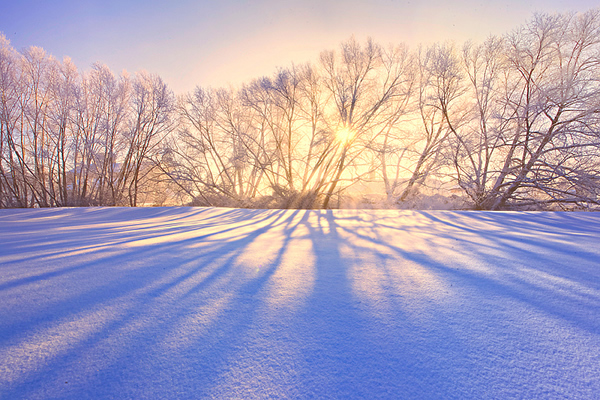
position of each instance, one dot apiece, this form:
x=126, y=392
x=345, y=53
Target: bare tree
x=476, y=144
x=212, y=153
x=550, y=134
x=420, y=146
x=12, y=191
x=152, y=104
x=369, y=87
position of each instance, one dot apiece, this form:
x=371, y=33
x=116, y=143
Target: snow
x=175, y=303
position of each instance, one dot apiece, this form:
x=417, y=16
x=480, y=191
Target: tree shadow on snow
x=193, y=303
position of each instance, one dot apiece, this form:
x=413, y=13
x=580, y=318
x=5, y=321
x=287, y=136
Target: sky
x=228, y=42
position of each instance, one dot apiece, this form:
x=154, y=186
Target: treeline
x=72, y=139
x=513, y=122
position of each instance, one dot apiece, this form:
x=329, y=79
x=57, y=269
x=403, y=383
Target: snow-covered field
x=174, y=303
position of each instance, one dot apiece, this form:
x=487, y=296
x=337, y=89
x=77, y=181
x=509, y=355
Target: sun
x=344, y=135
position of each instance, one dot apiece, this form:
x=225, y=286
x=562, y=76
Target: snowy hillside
x=174, y=303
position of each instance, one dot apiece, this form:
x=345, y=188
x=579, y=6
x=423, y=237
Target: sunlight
x=345, y=135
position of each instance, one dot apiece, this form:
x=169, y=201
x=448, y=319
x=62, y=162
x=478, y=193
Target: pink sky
x=216, y=43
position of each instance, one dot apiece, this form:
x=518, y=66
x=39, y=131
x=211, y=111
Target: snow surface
x=175, y=303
